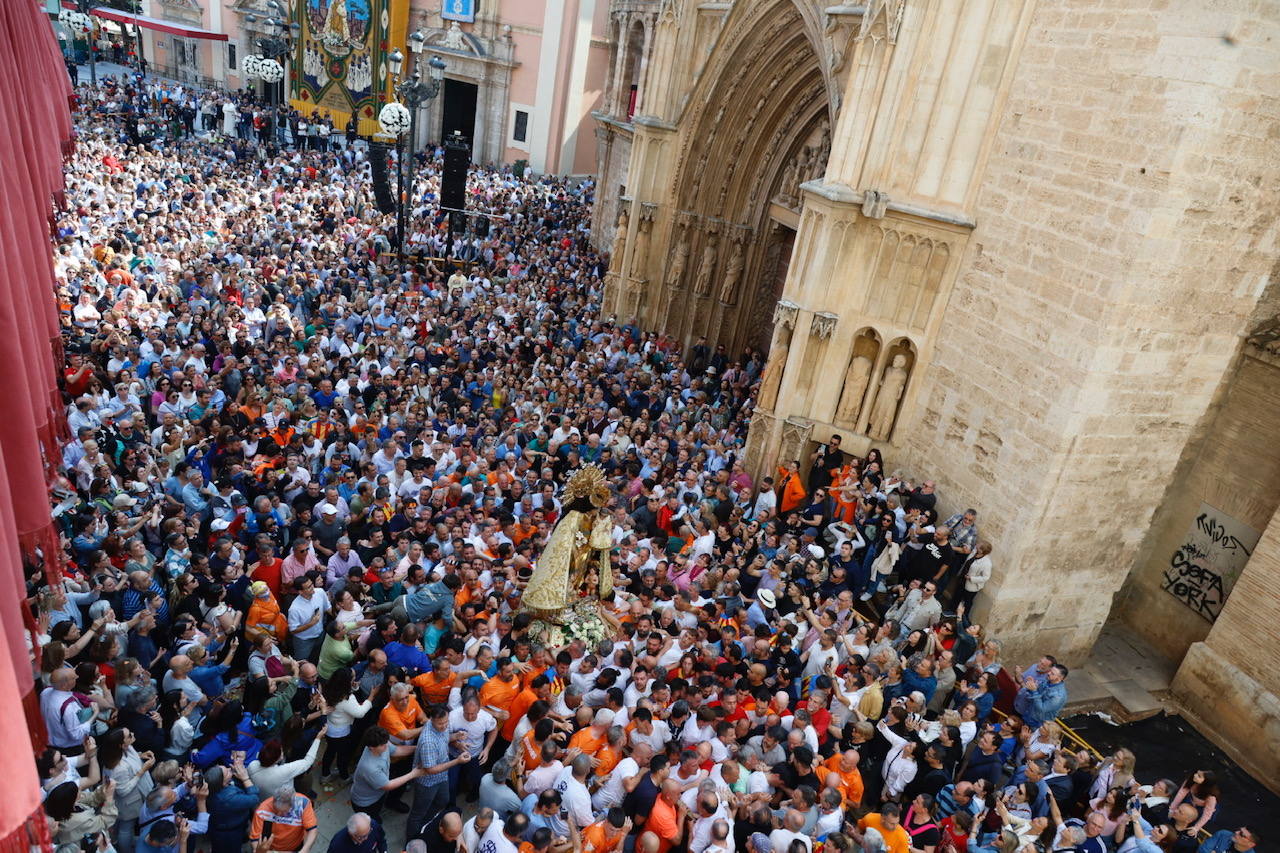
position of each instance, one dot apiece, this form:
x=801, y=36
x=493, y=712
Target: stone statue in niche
x=641, y=249
x=732, y=272
x=773, y=372
x=790, y=179
x=885, y=410
x=807, y=158
x=679, y=260
x=645, y=226
x=855, y=388
x=619, y=239
x=706, y=268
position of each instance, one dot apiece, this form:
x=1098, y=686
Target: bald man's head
x=451, y=826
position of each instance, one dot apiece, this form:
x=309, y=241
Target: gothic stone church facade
x=1028, y=248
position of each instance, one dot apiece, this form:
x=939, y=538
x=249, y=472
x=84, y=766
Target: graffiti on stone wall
x=1204, y=568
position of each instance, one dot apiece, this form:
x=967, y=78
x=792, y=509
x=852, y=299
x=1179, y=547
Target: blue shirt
x=1037, y=706
x=433, y=750
x=408, y=657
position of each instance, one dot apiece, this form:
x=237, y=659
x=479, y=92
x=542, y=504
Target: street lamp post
x=413, y=92
x=81, y=19
x=275, y=46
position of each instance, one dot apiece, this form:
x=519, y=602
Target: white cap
x=328, y=509
x=220, y=524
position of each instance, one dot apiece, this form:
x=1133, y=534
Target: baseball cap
x=328, y=509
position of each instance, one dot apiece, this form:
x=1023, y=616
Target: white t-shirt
x=575, y=798
x=658, y=739
x=495, y=842
x=542, y=778
x=475, y=730
x=471, y=838
x=782, y=838
x=612, y=792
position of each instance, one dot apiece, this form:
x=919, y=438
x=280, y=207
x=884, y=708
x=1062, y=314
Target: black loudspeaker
x=382, y=193
x=457, y=222
x=482, y=226
x=453, y=183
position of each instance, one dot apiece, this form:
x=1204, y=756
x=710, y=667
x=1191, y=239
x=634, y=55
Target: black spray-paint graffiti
x=1204, y=568
x=1194, y=585
x=1219, y=535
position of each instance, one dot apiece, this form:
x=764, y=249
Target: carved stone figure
x=768, y=395
x=706, y=268
x=885, y=410
x=790, y=179
x=855, y=388
x=732, y=272
x=641, y=250
x=679, y=260
x=619, y=239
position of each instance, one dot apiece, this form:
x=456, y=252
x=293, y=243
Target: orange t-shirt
x=499, y=694
x=587, y=741
x=289, y=831
x=897, y=841
x=435, y=689
x=532, y=751
x=662, y=823
x=608, y=759
x=519, y=706
x=600, y=837
x=396, y=721
x=850, y=783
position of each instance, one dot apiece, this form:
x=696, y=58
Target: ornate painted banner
x=340, y=60
x=1205, y=566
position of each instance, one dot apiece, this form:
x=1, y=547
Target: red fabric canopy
x=176, y=28
x=34, y=99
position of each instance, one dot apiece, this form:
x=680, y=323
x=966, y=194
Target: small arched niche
x=863, y=356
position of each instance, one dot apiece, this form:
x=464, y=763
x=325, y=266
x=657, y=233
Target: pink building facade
x=522, y=77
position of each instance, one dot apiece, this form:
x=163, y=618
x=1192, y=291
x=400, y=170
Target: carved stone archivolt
x=808, y=163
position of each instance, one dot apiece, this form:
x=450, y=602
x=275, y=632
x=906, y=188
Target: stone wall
x=1235, y=468
x=1125, y=227
x=1230, y=683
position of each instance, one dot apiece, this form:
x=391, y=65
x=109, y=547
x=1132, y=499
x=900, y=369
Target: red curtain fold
x=34, y=92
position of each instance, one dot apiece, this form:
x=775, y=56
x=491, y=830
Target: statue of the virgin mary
x=573, y=573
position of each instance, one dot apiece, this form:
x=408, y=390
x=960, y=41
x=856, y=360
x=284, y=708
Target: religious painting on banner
x=1204, y=568
x=458, y=10
x=340, y=63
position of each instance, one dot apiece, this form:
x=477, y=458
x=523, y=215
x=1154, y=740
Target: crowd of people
x=306, y=490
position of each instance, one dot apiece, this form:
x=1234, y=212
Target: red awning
x=173, y=27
